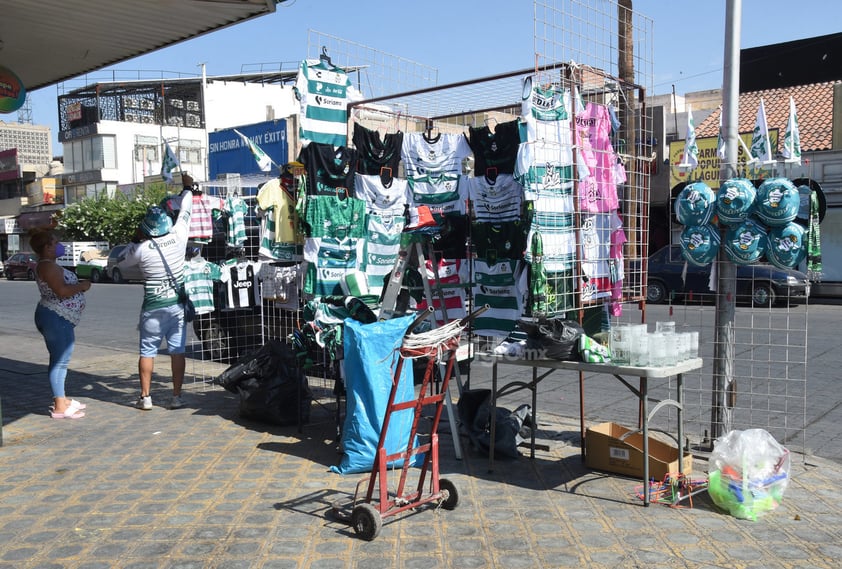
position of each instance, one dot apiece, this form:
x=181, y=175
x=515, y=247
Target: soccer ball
x=777, y=201
x=786, y=247
x=745, y=243
x=695, y=204
x=700, y=244
x=735, y=200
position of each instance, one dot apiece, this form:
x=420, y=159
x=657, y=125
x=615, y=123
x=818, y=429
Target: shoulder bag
x=183, y=298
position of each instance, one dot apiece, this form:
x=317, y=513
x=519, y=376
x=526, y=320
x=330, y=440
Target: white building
x=113, y=133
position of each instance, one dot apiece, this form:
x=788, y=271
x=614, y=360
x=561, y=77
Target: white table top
x=572, y=365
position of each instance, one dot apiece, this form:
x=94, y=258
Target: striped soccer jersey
x=199, y=275
x=503, y=287
x=242, y=283
x=496, y=201
x=453, y=276
x=237, y=210
x=382, y=244
x=328, y=260
x=323, y=92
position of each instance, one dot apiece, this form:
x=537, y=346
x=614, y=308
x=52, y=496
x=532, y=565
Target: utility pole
x=723, y=392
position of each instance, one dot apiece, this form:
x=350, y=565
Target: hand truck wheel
x=366, y=521
x=449, y=495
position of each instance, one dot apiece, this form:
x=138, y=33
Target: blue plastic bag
x=370, y=360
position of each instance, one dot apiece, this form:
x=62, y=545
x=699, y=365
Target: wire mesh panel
x=376, y=72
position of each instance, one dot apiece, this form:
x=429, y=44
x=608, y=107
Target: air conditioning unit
x=146, y=119
x=192, y=120
x=192, y=105
x=177, y=103
x=139, y=153
x=130, y=117
x=175, y=121
x=147, y=104
x=193, y=157
x=128, y=102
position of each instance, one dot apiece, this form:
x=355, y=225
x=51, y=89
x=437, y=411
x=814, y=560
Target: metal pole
x=726, y=286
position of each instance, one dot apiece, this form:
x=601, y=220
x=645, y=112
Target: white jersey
x=434, y=159
x=391, y=199
x=496, y=201
x=241, y=278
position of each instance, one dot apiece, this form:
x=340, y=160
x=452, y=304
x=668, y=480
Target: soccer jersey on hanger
x=330, y=171
x=494, y=201
x=494, y=149
x=241, y=279
x=391, y=198
x=437, y=158
x=324, y=91
x=376, y=153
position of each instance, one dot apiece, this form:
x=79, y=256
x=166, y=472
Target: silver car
x=120, y=274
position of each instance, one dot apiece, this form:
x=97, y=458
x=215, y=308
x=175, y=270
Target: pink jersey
x=598, y=189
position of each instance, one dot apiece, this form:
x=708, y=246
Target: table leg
x=534, y=410
x=644, y=400
x=493, y=418
x=582, y=412
x=680, y=414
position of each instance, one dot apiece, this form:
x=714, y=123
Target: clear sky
x=466, y=39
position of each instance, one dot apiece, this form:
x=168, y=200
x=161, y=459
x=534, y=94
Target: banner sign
x=708, y=167
x=229, y=154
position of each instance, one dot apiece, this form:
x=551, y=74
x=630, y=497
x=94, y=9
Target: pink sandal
x=71, y=413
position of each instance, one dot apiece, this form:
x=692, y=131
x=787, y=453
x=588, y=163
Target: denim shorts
x=155, y=325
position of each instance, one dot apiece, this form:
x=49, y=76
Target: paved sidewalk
x=199, y=487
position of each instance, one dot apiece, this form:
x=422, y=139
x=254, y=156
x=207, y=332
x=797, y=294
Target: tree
x=112, y=219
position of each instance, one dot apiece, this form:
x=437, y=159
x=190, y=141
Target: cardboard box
x=605, y=451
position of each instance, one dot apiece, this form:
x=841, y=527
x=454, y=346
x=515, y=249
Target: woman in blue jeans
x=56, y=316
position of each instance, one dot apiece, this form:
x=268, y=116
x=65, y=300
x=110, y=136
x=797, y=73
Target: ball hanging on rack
x=700, y=244
x=745, y=243
x=695, y=204
x=786, y=248
x=735, y=200
x=777, y=201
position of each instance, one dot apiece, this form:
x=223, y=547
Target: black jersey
x=330, y=171
x=375, y=153
x=496, y=149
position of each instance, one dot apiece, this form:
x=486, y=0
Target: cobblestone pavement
x=199, y=487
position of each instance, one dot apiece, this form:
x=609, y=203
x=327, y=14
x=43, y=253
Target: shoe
x=177, y=402
x=70, y=413
x=74, y=404
x=144, y=403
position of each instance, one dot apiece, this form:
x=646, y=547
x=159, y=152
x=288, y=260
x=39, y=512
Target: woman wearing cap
x=56, y=316
x=159, y=253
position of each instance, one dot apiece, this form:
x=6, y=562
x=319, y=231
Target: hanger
x=386, y=176
x=430, y=131
x=491, y=175
x=325, y=57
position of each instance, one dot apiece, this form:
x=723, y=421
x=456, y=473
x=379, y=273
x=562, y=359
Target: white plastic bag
x=749, y=472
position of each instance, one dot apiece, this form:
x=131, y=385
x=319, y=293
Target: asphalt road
x=110, y=321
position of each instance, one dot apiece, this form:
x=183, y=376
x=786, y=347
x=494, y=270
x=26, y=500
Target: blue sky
x=467, y=39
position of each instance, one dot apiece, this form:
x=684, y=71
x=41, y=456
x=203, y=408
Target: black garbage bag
x=272, y=387
x=552, y=338
x=510, y=429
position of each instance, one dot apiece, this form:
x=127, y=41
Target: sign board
x=14, y=243
x=229, y=154
x=12, y=91
x=708, y=169
x=9, y=165
x=74, y=111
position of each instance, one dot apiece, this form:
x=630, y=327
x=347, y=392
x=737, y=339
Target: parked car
x=92, y=264
x=21, y=265
x=760, y=284
x=120, y=274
